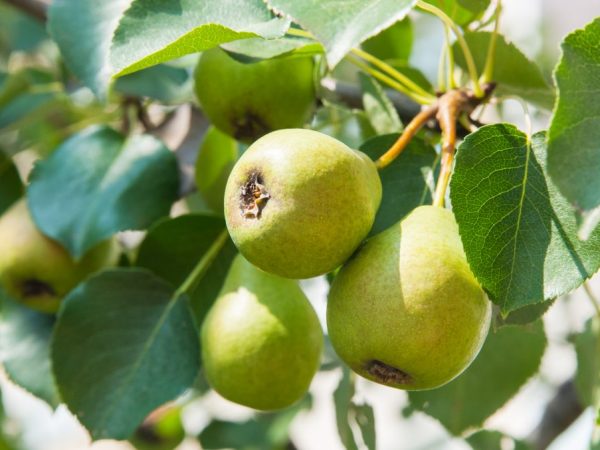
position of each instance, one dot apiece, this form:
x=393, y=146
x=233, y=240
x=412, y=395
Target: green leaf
x=124, y=344
x=97, y=183
x=342, y=397
x=264, y=431
x=509, y=357
x=341, y=27
x=164, y=83
x=587, y=378
x=393, y=43
x=351, y=126
x=155, y=31
x=216, y=157
x=173, y=247
x=524, y=315
x=407, y=182
x=11, y=187
x=462, y=12
x=379, y=108
x=495, y=440
x=519, y=233
x=513, y=71
x=365, y=418
x=574, y=135
x=25, y=349
x=256, y=49
x=83, y=30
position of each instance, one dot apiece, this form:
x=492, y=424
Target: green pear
x=299, y=202
x=261, y=340
x=37, y=270
x=406, y=311
x=247, y=101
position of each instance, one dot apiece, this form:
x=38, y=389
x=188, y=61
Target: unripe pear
x=406, y=311
x=299, y=202
x=261, y=340
x=247, y=101
x=37, y=270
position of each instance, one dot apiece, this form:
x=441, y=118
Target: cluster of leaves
x=126, y=341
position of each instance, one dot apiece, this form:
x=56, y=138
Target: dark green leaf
x=519, y=233
x=513, y=71
x=514, y=352
x=154, y=31
x=165, y=83
x=97, y=183
x=393, y=43
x=265, y=431
x=83, y=30
x=351, y=126
x=407, y=182
x=124, y=344
x=341, y=28
x=378, y=107
x=11, y=187
x=462, y=12
x=216, y=157
x=525, y=315
x=25, y=349
x=23, y=105
x=587, y=379
x=173, y=247
x=574, y=135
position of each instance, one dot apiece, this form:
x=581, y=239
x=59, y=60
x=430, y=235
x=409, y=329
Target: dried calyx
x=387, y=374
x=253, y=197
x=36, y=288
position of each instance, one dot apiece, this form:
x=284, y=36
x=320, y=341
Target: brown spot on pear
x=37, y=270
x=299, y=202
x=406, y=311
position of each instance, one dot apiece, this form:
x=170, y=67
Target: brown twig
x=35, y=8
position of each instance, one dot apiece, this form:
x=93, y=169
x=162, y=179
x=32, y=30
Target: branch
x=35, y=8
x=560, y=413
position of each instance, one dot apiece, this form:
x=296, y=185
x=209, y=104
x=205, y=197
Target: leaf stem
x=488, y=71
x=450, y=53
x=461, y=41
x=399, y=76
x=203, y=265
x=389, y=81
x=409, y=132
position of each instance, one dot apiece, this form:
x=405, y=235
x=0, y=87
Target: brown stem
x=409, y=132
x=35, y=8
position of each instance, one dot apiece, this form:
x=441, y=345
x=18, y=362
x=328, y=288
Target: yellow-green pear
x=261, y=340
x=247, y=101
x=406, y=311
x=37, y=270
x=299, y=202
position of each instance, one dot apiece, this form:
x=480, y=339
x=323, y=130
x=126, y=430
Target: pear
x=261, y=340
x=406, y=311
x=37, y=270
x=247, y=101
x=299, y=202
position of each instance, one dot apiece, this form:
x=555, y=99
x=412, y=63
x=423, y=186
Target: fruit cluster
x=404, y=309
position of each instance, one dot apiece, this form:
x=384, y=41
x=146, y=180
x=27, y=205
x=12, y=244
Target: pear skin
x=261, y=340
x=299, y=202
x=247, y=101
x=406, y=311
x=37, y=270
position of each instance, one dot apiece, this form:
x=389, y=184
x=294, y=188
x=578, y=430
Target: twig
x=35, y=8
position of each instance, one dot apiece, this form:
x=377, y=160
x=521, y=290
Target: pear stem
x=409, y=132
x=203, y=265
